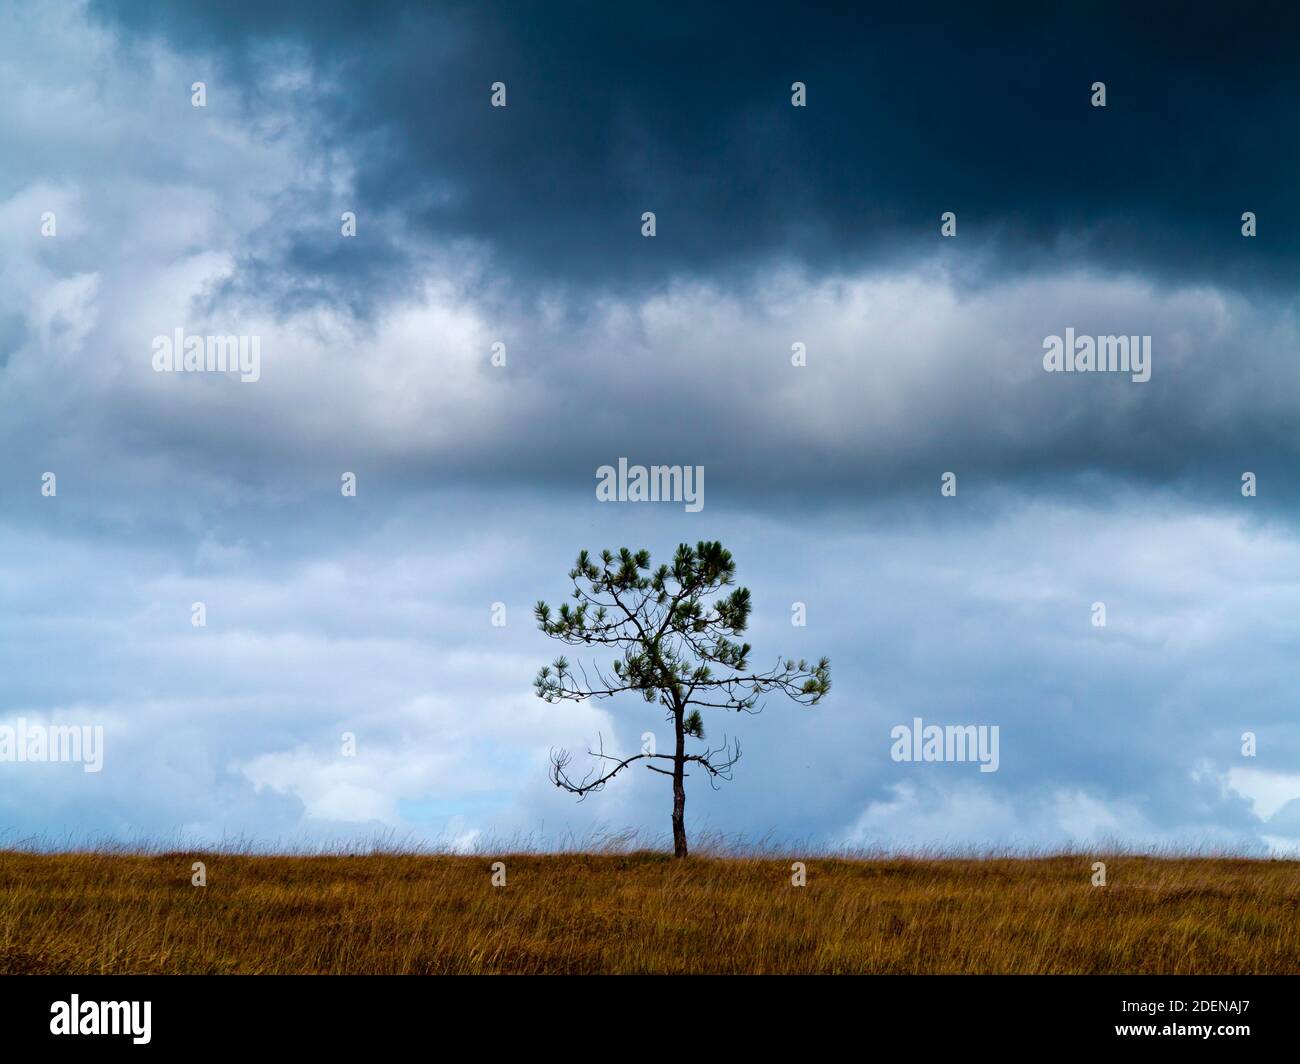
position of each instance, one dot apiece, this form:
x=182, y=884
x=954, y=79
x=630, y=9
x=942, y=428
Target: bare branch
x=593, y=781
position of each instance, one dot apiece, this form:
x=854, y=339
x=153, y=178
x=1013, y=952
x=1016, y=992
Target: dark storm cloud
x=617, y=110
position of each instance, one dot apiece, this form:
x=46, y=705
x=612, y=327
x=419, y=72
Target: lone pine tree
x=674, y=628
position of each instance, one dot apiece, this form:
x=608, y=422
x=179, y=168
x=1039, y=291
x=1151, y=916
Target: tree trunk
x=679, y=791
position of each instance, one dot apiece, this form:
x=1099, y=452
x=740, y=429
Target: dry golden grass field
x=642, y=912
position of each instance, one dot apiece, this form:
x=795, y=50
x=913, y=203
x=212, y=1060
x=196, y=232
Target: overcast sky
x=522, y=225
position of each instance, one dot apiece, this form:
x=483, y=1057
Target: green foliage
x=676, y=629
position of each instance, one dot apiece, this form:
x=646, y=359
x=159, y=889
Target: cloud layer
x=371, y=615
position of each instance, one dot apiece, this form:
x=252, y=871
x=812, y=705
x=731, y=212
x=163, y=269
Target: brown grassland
x=104, y=912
